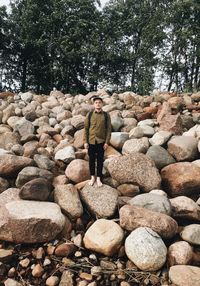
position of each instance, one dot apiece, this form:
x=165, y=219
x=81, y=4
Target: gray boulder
x=160, y=156
x=145, y=248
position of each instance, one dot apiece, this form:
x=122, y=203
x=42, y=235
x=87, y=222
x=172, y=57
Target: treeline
x=74, y=45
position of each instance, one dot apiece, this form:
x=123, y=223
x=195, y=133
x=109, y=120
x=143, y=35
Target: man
x=96, y=139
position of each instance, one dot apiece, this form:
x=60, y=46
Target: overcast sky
x=6, y=2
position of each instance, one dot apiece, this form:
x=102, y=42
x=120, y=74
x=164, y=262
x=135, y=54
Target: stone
x=30, y=148
x=140, y=145
x=132, y=217
x=6, y=255
x=136, y=132
x=191, y=234
x=26, y=96
x=43, y=220
x=18, y=149
x=67, y=197
x=66, y=279
x=78, y=139
x=152, y=202
x=12, y=164
x=24, y=262
x=38, y=271
x=30, y=173
x=66, y=154
x=180, y=253
x=65, y=249
x=160, y=138
x=118, y=139
x=116, y=122
x=176, y=103
x=4, y=185
x=24, y=127
x=181, y=178
x=52, y=281
x=78, y=171
x=160, y=156
x=147, y=130
x=136, y=169
x=104, y=236
x=9, y=195
x=147, y=122
x=8, y=112
x=185, y=208
x=37, y=189
x=169, y=122
x=43, y=162
x=182, y=275
x=102, y=202
x=78, y=121
x=183, y=148
x=145, y=248
x=129, y=190
x=12, y=282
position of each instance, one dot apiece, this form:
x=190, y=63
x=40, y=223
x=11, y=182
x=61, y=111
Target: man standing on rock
x=97, y=134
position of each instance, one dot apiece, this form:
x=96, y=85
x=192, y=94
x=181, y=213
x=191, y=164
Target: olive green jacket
x=96, y=131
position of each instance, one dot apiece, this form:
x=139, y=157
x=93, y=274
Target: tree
x=52, y=41
x=182, y=56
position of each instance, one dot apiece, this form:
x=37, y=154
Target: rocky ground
x=140, y=228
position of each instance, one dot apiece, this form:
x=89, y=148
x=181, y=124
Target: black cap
x=97, y=98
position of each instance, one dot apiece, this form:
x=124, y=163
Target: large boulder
x=37, y=189
x=66, y=154
x=8, y=139
x=182, y=275
x=24, y=127
x=104, y=236
x=160, y=138
x=30, y=222
x=11, y=194
x=12, y=164
x=145, y=248
x=132, y=217
x=102, y=202
x=67, y=197
x=191, y=234
x=140, y=145
x=137, y=169
x=180, y=252
x=152, y=202
x=185, y=208
x=183, y=148
x=160, y=156
x=30, y=173
x=78, y=171
x=118, y=139
x=181, y=178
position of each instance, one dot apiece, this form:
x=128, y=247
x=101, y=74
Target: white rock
x=160, y=138
x=145, y=248
x=191, y=234
x=104, y=236
x=26, y=96
x=66, y=154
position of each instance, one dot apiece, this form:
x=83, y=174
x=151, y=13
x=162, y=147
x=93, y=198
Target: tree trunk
x=24, y=70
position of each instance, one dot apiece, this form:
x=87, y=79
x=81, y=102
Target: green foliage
x=74, y=45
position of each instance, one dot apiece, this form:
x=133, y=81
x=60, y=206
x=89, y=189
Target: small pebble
x=37, y=271
x=52, y=281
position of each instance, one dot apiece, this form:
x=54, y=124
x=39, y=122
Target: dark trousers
x=96, y=153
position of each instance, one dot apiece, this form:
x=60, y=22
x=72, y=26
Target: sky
x=6, y=2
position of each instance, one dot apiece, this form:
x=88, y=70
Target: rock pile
x=55, y=229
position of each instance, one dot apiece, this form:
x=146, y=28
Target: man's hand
x=86, y=145
x=105, y=146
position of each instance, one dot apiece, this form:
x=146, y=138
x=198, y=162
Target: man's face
x=98, y=104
